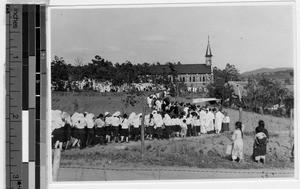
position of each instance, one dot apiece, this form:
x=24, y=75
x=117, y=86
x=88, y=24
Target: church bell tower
x=208, y=55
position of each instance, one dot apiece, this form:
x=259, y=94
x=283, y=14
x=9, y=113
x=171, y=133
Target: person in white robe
x=218, y=121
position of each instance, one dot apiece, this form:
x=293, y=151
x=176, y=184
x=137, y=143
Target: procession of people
x=174, y=120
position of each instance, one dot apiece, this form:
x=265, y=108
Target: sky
x=249, y=37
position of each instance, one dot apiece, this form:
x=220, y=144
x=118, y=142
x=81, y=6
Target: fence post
x=240, y=114
x=56, y=163
x=143, y=133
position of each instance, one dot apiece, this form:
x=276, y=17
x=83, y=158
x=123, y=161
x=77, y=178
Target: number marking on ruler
x=13, y=89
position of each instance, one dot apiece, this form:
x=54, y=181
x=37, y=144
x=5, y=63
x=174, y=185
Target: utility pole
x=143, y=133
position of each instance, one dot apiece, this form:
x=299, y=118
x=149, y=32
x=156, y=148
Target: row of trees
x=103, y=70
x=259, y=92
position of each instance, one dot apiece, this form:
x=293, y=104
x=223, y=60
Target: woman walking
x=237, y=137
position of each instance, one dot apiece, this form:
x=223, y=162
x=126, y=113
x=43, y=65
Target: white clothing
x=260, y=135
x=197, y=122
x=158, y=105
x=178, y=121
x=80, y=123
x=115, y=121
x=136, y=122
x=188, y=120
x=219, y=120
x=125, y=123
x=203, y=116
x=167, y=120
x=76, y=116
x=108, y=121
x=90, y=121
x=149, y=101
x=209, y=121
x=99, y=123
x=131, y=118
x=186, y=110
x=148, y=122
x=67, y=118
x=56, y=120
x=158, y=121
x=173, y=122
x=226, y=119
x=116, y=114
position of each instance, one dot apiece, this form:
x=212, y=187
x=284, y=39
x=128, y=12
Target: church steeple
x=208, y=55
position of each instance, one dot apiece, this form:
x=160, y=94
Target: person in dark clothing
x=260, y=142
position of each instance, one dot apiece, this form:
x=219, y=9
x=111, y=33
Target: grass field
x=206, y=151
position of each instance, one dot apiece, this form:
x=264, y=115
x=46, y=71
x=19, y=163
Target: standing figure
x=167, y=123
x=203, y=120
x=260, y=142
x=115, y=123
x=136, y=127
x=100, y=129
x=238, y=145
x=158, y=123
x=218, y=121
x=210, y=121
x=108, y=129
x=184, y=128
x=188, y=121
x=89, y=118
x=225, y=122
x=125, y=128
x=149, y=125
x=57, y=128
x=197, y=125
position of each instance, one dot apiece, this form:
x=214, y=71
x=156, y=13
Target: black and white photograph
x=172, y=92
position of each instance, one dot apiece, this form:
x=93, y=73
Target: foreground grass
x=194, y=152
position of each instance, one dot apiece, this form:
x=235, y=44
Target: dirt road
x=166, y=173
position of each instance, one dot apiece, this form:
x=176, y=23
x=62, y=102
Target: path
x=129, y=173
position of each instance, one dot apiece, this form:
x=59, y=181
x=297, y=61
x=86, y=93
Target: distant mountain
x=266, y=70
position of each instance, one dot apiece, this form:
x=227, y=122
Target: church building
x=196, y=75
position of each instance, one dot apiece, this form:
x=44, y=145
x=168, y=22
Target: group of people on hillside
x=259, y=146
x=86, y=129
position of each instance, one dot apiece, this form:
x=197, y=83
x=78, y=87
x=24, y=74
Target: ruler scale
x=41, y=147
x=25, y=63
x=14, y=97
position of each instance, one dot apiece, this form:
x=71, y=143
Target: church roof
x=183, y=69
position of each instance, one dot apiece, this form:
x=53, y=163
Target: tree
x=219, y=88
x=59, y=72
x=231, y=73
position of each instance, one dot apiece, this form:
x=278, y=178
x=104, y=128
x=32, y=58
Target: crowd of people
x=82, y=130
x=94, y=85
x=177, y=120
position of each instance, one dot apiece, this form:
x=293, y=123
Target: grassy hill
x=267, y=70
